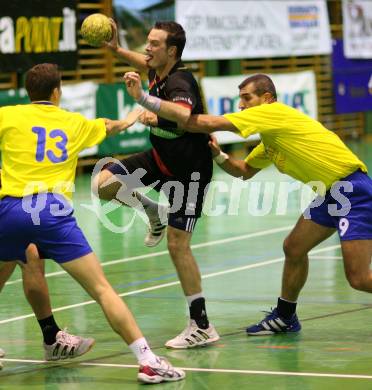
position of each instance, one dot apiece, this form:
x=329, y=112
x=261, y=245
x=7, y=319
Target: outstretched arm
x=114, y=127
x=236, y=168
x=137, y=60
x=175, y=112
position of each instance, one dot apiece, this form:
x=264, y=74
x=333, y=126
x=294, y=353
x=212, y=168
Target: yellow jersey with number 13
x=40, y=144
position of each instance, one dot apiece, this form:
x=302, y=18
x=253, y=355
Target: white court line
x=159, y=286
x=161, y=253
x=213, y=370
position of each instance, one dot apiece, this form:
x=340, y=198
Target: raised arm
x=175, y=112
x=137, y=60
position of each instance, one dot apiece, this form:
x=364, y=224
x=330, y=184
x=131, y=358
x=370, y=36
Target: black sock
x=286, y=309
x=50, y=329
x=198, y=313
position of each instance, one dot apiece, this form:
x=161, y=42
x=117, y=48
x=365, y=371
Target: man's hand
x=114, y=127
x=148, y=118
x=133, y=116
x=215, y=147
x=114, y=43
x=133, y=83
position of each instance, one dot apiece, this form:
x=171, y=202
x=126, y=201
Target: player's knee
x=100, y=292
x=288, y=248
x=357, y=281
x=172, y=247
x=101, y=186
x=177, y=247
x=291, y=250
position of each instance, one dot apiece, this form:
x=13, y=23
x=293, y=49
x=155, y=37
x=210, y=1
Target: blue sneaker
x=273, y=324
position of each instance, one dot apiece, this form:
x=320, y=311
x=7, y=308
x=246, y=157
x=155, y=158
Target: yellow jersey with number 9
x=40, y=144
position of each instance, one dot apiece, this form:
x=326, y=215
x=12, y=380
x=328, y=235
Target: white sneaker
x=156, y=228
x=193, y=336
x=160, y=371
x=2, y=354
x=67, y=346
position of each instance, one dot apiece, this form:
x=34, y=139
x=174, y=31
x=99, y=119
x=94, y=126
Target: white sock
x=191, y=298
x=150, y=207
x=142, y=351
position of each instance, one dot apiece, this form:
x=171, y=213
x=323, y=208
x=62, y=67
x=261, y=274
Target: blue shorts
x=347, y=207
x=45, y=220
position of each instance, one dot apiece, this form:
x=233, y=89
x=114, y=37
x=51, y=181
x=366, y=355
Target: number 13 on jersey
x=60, y=138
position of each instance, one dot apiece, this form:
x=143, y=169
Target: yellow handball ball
x=96, y=29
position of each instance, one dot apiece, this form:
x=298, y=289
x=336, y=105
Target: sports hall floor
x=241, y=260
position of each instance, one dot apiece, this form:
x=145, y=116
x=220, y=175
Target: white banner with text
x=253, y=29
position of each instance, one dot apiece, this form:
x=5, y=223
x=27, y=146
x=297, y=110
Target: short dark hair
x=262, y=84
x=176, y=35
x=41, y=81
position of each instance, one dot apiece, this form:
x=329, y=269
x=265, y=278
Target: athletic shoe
x=2, y=354
x=273, y=324
x=160, y=371
x=193, y=336
x=67, y=346
x=156, y=228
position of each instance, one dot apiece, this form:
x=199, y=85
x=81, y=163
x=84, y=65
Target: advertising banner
x=252, y=29
x=352, y=81
x=357, y=28
x=35, y=31
x=295, y=89
x=114, y=102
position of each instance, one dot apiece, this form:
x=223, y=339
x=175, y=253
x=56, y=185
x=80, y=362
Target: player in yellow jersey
x=304, y=149
x=40, y=144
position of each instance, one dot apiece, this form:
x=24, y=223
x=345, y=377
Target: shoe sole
x=143, y=378
x=263, y=333
x=73, y=357
x=203, y=344
x=268, y=333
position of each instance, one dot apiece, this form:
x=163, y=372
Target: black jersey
x=181, y=152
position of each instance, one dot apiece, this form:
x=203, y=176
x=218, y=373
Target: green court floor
x=240, y=256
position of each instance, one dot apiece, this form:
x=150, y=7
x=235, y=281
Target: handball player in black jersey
x=180, y=163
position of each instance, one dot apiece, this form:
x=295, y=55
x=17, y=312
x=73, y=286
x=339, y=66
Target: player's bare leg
x=199, y=331
x=88, y=272
x=6, y=271
x=58, y=344
x=283, y=319
x=107, y=188
x=357, y=261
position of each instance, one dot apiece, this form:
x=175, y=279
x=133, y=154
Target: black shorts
x=185, y=195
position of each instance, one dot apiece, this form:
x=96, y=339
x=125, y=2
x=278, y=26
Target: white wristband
x=221, y=158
